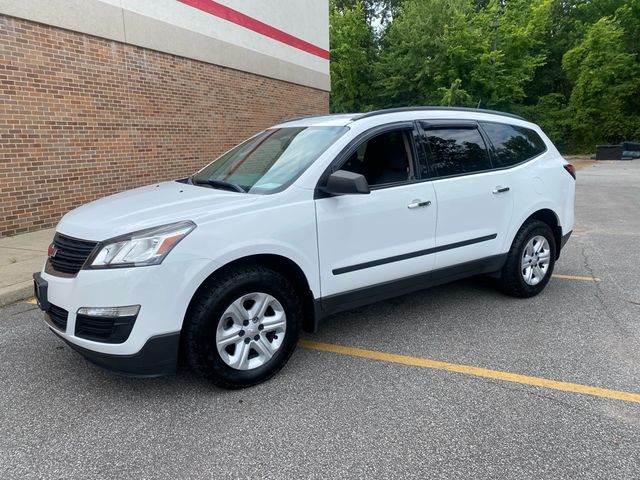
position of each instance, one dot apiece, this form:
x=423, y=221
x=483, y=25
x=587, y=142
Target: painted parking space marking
x=576, y=277
x=471, y=370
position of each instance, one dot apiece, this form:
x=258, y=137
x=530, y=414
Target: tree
x=606, y=82
x=428, y=46
x=454, y=95
x=376, y=12
x=434, y=46
x=512, y=50
x=352, y=55
x=570, y=65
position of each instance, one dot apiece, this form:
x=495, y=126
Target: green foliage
x=352, y=52
x=551, y=113
x=380, y=11
x=628, y=16
x=605, y=79
x=512, y=50
x=570, y=65
x=427, y=47
x=454, y=95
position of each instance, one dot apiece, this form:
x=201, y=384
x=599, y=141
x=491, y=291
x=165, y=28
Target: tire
x=223, y=309
x=513, y=279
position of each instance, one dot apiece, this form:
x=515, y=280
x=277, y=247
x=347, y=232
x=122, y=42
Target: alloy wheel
x=251, y=331
x=536, y=259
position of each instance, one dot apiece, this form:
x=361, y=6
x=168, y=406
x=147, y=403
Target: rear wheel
x=530, y=261
x=243, y=327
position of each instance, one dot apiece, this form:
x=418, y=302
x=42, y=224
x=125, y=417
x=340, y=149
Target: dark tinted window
x=513, y=144
x=456, y=150
x=383, y=159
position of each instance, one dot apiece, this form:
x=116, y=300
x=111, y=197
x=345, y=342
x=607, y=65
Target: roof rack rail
x=431, y=108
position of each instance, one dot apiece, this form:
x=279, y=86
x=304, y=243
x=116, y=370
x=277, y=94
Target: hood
x=150, y=206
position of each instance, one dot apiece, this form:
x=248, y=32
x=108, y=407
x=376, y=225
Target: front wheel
x=243, y=327
x=530, y=261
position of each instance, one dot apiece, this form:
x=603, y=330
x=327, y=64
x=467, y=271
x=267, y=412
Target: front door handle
x=419, y=203
x=500, y=189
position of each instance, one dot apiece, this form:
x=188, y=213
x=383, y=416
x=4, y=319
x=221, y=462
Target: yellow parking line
x=470, y=370
x=577, y=277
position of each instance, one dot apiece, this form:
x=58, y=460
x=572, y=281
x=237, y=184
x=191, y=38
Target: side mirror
x=342, y=182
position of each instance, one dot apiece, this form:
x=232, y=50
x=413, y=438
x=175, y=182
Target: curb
x=15, y=293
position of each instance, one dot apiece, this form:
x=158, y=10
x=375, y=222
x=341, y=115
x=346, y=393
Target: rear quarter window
x=512, y=144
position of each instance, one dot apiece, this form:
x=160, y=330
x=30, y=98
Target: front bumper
x=157, y=357
x=163, y=293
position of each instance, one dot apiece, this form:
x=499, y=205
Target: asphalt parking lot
x=489, y=412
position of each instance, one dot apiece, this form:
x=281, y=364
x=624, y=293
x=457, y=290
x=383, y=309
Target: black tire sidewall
x=514, y=282
x=204, y=323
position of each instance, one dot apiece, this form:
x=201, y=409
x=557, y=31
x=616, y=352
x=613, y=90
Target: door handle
x=500, y=189
x=418, y=204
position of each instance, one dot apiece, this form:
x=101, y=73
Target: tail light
x=571, y=169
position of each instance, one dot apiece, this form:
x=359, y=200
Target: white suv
x=307, y=218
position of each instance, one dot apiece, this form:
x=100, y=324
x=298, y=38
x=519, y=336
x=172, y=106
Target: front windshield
x=270, y=161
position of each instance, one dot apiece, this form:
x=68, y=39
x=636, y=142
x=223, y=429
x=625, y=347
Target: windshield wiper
x=222, y=184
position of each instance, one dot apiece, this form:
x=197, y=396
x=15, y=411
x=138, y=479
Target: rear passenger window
x=513, y=144
x=455, y=151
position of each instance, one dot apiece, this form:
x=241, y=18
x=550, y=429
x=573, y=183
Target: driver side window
x=384, y=159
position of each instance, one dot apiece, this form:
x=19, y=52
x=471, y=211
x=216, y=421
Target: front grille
x=58, y=316
x=104, y=329
x=70, y=253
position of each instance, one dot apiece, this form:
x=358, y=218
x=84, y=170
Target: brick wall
x=83, y=117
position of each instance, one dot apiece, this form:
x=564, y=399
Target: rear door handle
x=500, y=189
x=419, y=203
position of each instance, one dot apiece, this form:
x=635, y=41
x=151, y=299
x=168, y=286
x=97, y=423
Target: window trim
x=439, y=124
x=493, y=149
x=353, y=146
x=435, y=124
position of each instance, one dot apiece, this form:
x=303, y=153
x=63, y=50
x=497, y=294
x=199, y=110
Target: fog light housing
x=128, y=311
x=106, y=324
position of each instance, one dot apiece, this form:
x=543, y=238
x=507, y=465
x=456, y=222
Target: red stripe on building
x=239, y=18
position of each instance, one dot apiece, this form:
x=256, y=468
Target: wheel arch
x=548, y=216
x=278, y=263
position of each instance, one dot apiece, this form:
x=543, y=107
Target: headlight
x=142, y=248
